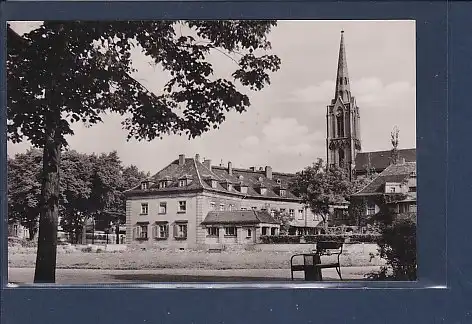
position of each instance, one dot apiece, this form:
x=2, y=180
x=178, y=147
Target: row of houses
x=192, y=203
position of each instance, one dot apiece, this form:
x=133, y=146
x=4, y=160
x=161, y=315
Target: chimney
x=207, y=163
x=197, y=157
x=230, y=168
x=181, y=159
x=268, y=172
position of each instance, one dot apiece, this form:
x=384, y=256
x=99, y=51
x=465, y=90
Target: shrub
x=280, y=239
x=397, y=246
x=354, y=238
x=87, y=249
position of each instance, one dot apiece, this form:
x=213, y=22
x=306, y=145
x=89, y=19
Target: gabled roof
x=239, y=217
x=393, y=173
x=379, y=160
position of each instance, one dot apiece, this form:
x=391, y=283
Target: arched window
x=341, y=157
x=340, y=123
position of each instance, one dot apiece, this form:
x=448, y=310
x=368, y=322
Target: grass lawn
x=25, y=257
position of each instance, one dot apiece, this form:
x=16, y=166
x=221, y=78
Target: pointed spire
x=342, y=78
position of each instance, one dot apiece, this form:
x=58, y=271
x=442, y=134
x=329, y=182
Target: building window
x=213, y=183
x=162, y=208
x=282, y=210
x=370, y=209
x=249, y=232
x=243, y=208
x=243, y=189
x=403, y=208
x=230, y=231
x=182, y=182
x=392, y=189
x=230, y=207
x=182, y=206
x=180, y=231
x=278, y=181
x=230, y=187
x=263, y=209
x=163, y=184
x=340, y=124
x=144, y=208
x=291, y=212
x=264, y=231
x=412, y=189
x=162, y=231
x=222, y=207
x=300, y=214
x=272, y=212
x=145, y=185
x=413, y=208
x=212, y=205
x=141, y=232
x=254, y=208
x=263, y=191
x=212, y=231
x=282, y=192
x=273, y=231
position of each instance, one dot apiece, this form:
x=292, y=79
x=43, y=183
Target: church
x=343, y=131
x=193, y=203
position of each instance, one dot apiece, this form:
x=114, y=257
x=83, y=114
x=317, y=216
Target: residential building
x=372, y=163
x=193, y=203
x=396, y=179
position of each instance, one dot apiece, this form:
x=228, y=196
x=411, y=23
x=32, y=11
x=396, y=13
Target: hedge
x=311, y=239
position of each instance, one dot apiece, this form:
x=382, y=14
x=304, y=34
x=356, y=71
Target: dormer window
x=213, y=183
x=162, y=184
x=242, y=188
x=263, y=191
x=279, y=181
x=282, y=192
x=182, y=182
x=227, y=185
x=145, y=185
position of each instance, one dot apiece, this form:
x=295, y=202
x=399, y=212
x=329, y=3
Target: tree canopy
x=75, y=71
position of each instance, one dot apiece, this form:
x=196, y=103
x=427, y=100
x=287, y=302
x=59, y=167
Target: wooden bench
x=312, y=265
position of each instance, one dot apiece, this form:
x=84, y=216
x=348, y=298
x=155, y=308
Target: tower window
x=340, y=124
x=341, y=157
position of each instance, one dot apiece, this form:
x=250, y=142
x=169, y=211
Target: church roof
x=380, y=160
x=239, y=217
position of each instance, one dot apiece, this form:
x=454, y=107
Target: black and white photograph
x=219, y=151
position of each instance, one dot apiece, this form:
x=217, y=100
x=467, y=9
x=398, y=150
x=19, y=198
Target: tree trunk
x=47, y=241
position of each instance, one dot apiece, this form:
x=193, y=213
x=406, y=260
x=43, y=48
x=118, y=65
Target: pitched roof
x=379, y=160
x=239, y=217
x=199, y=173
x=393, y=173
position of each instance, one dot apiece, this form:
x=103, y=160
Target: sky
x=285, y=126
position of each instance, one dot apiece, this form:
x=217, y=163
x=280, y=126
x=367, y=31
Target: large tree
x=321, y=187
x=67, y=72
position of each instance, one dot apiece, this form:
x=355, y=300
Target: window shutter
x=154, y=231
x=135, y=233
x=175, y=230
x=185, y=230
x=167, y=230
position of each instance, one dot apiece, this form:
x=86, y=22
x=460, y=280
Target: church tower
x=343, y=120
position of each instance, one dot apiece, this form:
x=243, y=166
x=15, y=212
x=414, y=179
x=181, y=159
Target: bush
x=397, y=246
x=280, y=239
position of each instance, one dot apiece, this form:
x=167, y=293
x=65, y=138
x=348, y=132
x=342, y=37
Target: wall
x=133, y=210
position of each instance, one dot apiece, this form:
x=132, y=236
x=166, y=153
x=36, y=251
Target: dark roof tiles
x=393, y=173
x=380, y=160
x=239, y=217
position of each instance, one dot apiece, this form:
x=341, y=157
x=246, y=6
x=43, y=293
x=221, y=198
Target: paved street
x=94, y=276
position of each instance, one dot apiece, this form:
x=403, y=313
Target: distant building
x=397, y=178
x=375, y=162
x=192, y=203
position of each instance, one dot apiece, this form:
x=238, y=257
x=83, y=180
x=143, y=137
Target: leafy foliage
x=68, y=72
x=322, y=187
x=309, y=239
x=24, y=189
x=285, y=220
x=397, y=245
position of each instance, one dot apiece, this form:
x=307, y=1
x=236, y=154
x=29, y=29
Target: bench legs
x=338, y=269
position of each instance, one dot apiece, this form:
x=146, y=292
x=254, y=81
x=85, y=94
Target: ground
x=78, y=265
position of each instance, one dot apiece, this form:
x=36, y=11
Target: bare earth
x=153, y=265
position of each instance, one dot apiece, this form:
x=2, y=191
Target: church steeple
x=342, y=119
x=343, y=88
